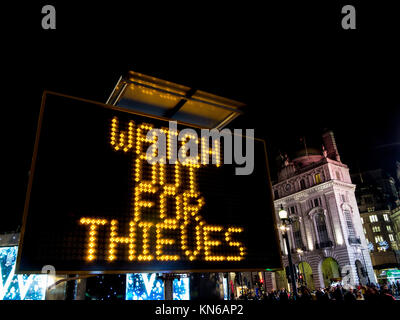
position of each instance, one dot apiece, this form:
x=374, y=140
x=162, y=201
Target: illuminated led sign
x=21, y=286
x=98, y=201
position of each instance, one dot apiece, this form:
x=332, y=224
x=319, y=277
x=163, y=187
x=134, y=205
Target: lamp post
x=283, y=215
x=300, y=252
x=359, y=249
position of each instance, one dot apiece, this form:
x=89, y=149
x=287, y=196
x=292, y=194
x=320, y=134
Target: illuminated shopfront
x=19, y=286
x=148, y=286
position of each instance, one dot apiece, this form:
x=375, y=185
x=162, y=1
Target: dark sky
x=292, y=64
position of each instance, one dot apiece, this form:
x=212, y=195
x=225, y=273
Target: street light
x=283, y=215
x=300, y=252
x=286, y=221
x=361, y=250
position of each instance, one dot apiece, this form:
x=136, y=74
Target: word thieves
x=166, y=222
x=115, y=191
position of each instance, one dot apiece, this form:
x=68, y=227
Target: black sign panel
x=97, y=203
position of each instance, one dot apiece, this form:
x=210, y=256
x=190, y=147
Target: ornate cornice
x=309, y=169
x=304, y=194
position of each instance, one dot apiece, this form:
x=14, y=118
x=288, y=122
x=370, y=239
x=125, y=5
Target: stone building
x=316, y=190
x=379, y=205
x=395, y=218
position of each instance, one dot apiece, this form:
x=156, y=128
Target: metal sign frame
x=20, y=270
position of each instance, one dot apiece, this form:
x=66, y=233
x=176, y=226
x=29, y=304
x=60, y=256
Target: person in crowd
x=372, y=294
x=305, y=294
x=349, y=295
x=359, y=295
x=321, y=295
x=338, y=293
x=386, y=294
x=369, y=293
x=283, y=296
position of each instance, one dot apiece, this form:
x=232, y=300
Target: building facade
x=398, y=171
x=379, y=206
x=326, y=238
x=395, y=218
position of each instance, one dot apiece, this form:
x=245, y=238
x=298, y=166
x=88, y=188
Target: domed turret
x=307, y=156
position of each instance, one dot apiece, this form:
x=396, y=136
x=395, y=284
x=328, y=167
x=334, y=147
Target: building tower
x=326, y=237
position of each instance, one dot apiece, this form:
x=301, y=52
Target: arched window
x=349, y=223
x=298, y=242
x=321, y=228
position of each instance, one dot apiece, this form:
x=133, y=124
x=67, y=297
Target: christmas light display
x=148, y=286
x=21, y=286
x=181, y=289
x=144, y=286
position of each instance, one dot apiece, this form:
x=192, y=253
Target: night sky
x=292, y=64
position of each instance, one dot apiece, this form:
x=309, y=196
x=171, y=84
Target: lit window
x=362, y=220
x=385, y=217
x=365, y=231
x=391, y=238
x=373, y=218
x=378, y=239
x=389, y=228
x=318, y=178
x=321, y=228
x=349, y=223
x=297, y=234
x=371, y=209
x=376, y=229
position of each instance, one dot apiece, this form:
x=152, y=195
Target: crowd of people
x=347, y=293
